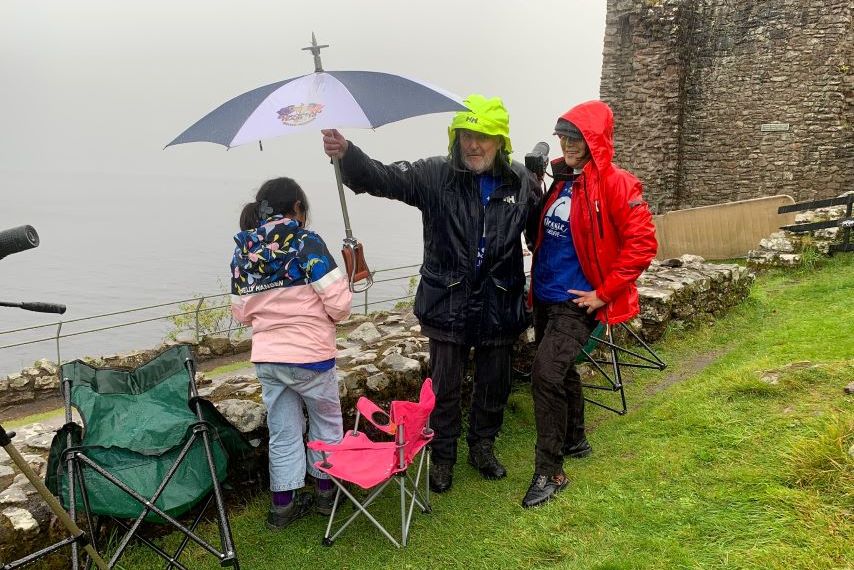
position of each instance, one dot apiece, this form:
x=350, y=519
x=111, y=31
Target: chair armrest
x=376, y=415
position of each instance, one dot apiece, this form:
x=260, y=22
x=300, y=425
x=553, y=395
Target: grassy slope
x=718, y=470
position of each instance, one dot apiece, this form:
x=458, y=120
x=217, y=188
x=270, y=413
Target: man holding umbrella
x=474, y=203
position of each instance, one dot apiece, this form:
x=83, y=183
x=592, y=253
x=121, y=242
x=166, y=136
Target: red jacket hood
x=596, y=122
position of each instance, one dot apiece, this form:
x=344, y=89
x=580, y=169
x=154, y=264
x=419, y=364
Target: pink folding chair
x=373, y=465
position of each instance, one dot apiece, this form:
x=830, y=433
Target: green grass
x=33, y=419
x=720, y=470
x=228, y=368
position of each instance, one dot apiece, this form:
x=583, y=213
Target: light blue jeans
x=284, y=390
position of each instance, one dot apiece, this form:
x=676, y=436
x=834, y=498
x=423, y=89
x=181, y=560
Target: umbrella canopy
x=320, y=100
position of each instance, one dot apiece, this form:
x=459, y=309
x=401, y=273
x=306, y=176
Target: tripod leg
x=48, y=498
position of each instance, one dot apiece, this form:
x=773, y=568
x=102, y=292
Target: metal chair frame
x=650, y=360
x=409, y=488
x=75, y=458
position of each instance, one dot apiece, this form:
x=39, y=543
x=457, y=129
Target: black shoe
x=441, y=477
x=578, y=450
x=280, y=517
x=543, y=488
x=324, y=500
x=483, y=459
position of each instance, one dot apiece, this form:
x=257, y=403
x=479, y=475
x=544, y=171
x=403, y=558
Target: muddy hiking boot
x=578, y=450
x=543, y=488
x=482, y=458
x=441, y=477
x=280, y=517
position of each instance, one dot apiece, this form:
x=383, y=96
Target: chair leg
x=186, y=540
x=326, y=540
x=362, y=510
x=403, y=527
x=229, y=555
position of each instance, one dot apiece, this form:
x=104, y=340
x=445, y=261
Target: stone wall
x=41, y=380
x=697, y=87
x=382, y=356
x=787, y=249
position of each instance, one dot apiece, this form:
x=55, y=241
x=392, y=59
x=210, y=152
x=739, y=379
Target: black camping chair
x=608, y=359
x=150, y=450
x=602, y=340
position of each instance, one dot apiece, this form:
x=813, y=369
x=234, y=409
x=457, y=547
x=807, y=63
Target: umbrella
x=322, y=100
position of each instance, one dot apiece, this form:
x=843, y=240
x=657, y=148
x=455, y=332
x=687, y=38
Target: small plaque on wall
x=774, y=127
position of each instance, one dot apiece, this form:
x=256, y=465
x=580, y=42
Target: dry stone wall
x=724, y=100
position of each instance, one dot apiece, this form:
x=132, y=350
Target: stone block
x=7, y=475
x=22, y=520
x=401, y=364
x=354, y=320
x=48, y=366
x=378, y=382
x=218, y=345
x=363, y=358
x=365, y=333
x=46, y=383
x=19, y=383
x=13, y=496
x=245, y=415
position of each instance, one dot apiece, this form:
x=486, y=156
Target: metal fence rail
x=846, y=223
x=199, y=308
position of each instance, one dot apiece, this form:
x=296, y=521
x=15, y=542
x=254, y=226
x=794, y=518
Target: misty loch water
x=111, y=243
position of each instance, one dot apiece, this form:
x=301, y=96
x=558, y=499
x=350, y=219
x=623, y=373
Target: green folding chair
x=149, y=450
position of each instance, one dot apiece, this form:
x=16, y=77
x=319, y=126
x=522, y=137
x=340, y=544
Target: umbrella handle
x=356, y=266
x=348, y=232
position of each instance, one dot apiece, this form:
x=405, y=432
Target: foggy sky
x=101, y=86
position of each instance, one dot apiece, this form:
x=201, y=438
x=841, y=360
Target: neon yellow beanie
x=488, y=116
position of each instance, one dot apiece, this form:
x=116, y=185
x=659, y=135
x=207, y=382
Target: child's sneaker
x=325, y=500
x=280, y=517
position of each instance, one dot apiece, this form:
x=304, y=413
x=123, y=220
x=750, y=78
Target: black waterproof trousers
x=489, y=397
x=561, y=331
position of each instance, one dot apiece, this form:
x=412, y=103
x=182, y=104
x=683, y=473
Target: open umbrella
x=322, y=100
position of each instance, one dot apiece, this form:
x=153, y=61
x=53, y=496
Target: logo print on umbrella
x=300, y=113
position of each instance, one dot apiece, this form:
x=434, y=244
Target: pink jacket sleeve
x=335, y=293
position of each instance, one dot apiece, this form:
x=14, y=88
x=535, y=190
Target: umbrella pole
x=348, y=232
x=352, y=252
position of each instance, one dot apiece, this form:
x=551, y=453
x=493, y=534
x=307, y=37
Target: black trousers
x=561, y=331
x=489, y=396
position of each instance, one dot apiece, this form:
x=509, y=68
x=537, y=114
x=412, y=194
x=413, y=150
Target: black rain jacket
x=455, y=302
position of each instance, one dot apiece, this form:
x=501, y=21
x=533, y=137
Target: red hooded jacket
x=611, y=224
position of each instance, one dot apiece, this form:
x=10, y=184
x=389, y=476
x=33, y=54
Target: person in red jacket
x=593, y=236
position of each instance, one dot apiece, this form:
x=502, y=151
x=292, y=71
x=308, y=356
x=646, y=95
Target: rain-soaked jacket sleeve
x=638, y=246
x=403, y=181
x=325, y=277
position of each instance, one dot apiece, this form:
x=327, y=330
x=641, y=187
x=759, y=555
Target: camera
x=538, y=159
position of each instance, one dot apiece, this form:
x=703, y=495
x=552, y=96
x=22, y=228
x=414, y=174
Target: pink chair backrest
x=413, y=417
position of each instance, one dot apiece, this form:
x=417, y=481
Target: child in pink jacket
x=287, y=287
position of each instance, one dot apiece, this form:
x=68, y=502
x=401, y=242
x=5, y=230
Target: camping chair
x=602, y=337
x=374, y=465
x=149, y=450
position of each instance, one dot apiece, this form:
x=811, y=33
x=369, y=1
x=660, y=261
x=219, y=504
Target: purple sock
x=282, y=498
x=325, y=484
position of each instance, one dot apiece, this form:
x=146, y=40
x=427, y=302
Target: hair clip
x=264, y=210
